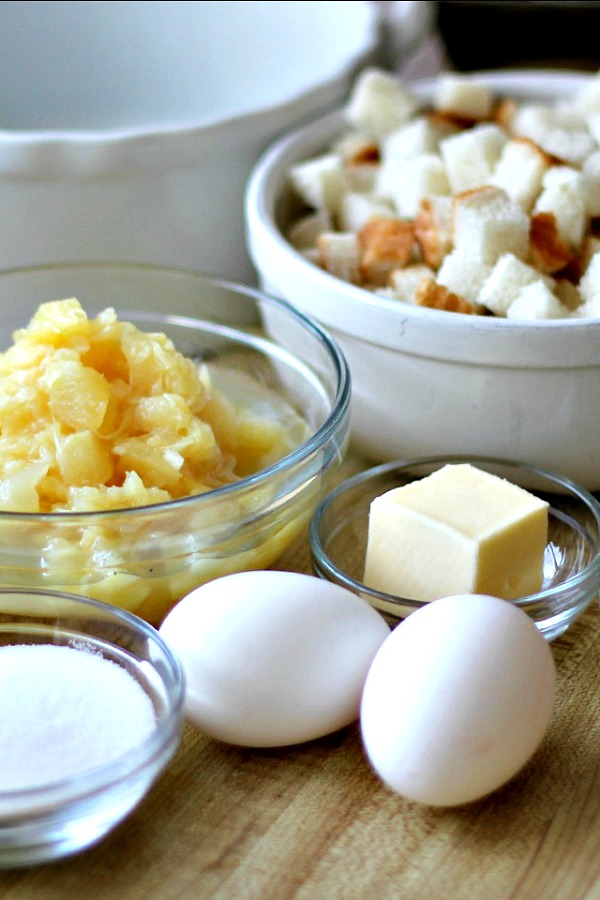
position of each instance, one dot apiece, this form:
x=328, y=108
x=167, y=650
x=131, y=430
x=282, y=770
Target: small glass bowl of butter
x=346, y=525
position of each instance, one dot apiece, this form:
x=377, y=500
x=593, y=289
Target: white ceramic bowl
x=429, y=382
x=129, y=129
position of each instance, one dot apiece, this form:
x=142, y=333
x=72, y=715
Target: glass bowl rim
x=66, y=790
x=339, y=407
x=590, y=570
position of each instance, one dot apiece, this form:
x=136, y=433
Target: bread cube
x=357, y=208
x=355, y=149
x=416, y=137
x=563, y=195
x=463, y=96
x=361, y=179
x=548, y=252
x=463, y=274
x=504, y=283
x=520, y=170
x=593, y=125
x=587, y=311
x=533, y=121
x=471, y=156
x=386, y=292
x=589, y=289
x=570, y=145
x=567, y=139
x=304, y=231
x=487, y=224
x=385, y=244
x=591, y=246
x=589, y=284
x=312, y=255
x=339, y=254
x=567, y=115
x=537, y=301
x=590, y=172
x=434, y=295
x=434, y=225
x=587, y=98
x=404, y=283
x=379, y=103
x=568, y=294
x=588, y=308
x=406, y=182
x=320, y=182
x=504, y=112
x=360, y=161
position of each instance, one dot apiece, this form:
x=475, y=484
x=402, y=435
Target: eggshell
x=457, y=699
x=273, y=658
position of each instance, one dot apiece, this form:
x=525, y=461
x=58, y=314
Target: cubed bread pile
x=472, y=204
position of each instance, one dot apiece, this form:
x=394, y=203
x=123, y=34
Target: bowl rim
x=63, y=791
x=322, y=560
x=367, y=316
x=338, y=414
x=365, y=39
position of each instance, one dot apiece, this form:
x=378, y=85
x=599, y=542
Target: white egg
x=273, y=658
x=457, y=699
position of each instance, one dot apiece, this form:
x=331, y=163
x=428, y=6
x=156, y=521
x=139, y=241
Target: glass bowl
x=145, y=559
x=338, y=537
x=60, y=817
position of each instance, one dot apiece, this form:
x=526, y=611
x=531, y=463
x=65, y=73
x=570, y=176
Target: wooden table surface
x=313, y=821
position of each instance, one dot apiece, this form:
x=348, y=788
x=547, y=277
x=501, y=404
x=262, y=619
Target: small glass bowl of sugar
x=91, y=712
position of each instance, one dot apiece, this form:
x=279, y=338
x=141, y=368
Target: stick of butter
x=459, y=530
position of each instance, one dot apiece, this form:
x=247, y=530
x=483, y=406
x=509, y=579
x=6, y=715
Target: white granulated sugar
x=65, y=712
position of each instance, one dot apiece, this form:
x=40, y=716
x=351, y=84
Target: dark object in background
x=500, y=33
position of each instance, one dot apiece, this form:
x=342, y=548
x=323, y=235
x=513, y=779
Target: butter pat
x=459, y=530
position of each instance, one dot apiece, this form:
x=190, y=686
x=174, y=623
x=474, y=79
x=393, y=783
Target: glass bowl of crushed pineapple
x=158, y=428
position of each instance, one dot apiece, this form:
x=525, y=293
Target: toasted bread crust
x=453, y=119
x=504, y=112
x=545, y=157
x=366, y=154
x=436, y=296
x=548, y=252
x=433, y=247
x=386, y=244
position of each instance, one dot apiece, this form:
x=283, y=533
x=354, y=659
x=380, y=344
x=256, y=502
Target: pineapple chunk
x=62, y=323
x=166, y=411
x=83, y=458
x=97, y=415
x=18, y=488
x=77, y=395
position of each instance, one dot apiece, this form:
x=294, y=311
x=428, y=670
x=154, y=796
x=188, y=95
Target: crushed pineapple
x=97, y=415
